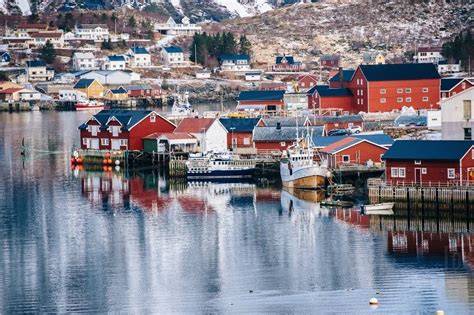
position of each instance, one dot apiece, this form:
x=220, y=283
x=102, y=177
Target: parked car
x=355, y=129
x=339, y=132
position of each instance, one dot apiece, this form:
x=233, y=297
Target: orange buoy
x=109, y=168
x=104, y=168
x=109, y=161
x=104, y=161
x=73, y=160
x=79, y=160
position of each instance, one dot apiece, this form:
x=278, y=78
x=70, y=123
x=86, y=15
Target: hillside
x=308, y=30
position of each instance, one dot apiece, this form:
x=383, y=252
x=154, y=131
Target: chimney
x=341, y=77
x=278, y=125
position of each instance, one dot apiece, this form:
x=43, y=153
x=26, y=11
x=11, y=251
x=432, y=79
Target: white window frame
x=401, y=172
x=408, y=90
x=383, y=91
x=123, y=142
x=408, y=99
x=399, y=99
x=346, y=158
x=282, y=143
x=246, y=141
x=153, y=118
x=451, y=173
x=399, y=91
x=104, y=141
x=383, y=100
x=85, y=140
x=417, y=162
x=425, y=99
x=424, y=171
x=394, y=172
x=425, y=90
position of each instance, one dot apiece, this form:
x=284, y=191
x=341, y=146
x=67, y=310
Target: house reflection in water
x=115, y=190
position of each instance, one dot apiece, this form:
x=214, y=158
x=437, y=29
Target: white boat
x=181, y=105
x=89, y=105
x=385, y=208
x=223, y=166
x=298, y=169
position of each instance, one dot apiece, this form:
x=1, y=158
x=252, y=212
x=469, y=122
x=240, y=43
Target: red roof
x=312, y=76
x=170, y=135
x=47, y=34
x=10, y=90
x=339, y=144
x=194, y=125
x=430, y=49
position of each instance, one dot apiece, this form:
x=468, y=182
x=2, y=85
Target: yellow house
x=119, y=94
x=373, y=58
x=91, y=87
x=5, y=85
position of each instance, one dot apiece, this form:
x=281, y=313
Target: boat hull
x=221, y=174
x=310, y=177
x=85, y=108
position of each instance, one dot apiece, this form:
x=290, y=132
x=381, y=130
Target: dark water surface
x=83, y=241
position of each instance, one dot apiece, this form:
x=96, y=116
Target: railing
x=376, y=182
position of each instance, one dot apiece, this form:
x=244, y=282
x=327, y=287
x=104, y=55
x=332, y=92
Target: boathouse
x=352, y=151
x=210, y=133
x=260, y=100
x=170, y=142
x=121, y=129
x=434, y=162
x=323, y=97
x=240, y=133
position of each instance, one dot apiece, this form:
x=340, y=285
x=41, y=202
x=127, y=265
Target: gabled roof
x=120, y=90
x=398, y=72
x=239, y=124
x=35, y=63
x=379, y=139
x=329, y=57
x=285, y=121
x=91, y=26
x=47, y=35
x=336, y=119
x=259, y=95
x=311, y=76
x=83, y=83
x=139, y=50
x=448, y=83
x=289, y=59
x=325, y=91
x=170, y=135
x=127, y=118
x=234, y=57
x=430, y=49
x=139, y=87
x=272, y=134
x=194, y=125
x=173, y=49
x=345, y=143
x=431, y=150
x=86, y=55
x=10, y=90
x=116, y=58
x=346, y=76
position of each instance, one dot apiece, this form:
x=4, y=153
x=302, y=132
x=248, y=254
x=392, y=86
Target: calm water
x=83, y=241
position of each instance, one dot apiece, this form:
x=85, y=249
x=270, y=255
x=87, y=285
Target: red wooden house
x=287, y=63
x=239, y=132
x=306, y=81
x=351, y=150
x=453, y=86
x=329, y=61
x=383, y=88
x=143, y=90
x=424, y=161
x=331, y=122
x=323, y=97
x=279, y=138
x=121, y=129
x=261, y=100
x=341, y=79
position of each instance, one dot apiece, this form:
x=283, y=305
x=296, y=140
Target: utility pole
x=195, y=54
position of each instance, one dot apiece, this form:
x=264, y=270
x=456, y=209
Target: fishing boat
x=385, y=208
x=181, y=105
x=223, y=166
x=89, y=105
x=337, y=203
x=298, y=169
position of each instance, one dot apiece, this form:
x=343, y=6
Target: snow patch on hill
x=24, y=6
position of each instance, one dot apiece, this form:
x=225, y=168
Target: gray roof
x=272, y=134
x=284, y=121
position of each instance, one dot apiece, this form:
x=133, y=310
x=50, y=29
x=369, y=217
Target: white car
x=355, y=129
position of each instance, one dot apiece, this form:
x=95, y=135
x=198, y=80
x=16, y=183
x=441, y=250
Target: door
x=94, y=144
x=418, y=175
x=115, y=144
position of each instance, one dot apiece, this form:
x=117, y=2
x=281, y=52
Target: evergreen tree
x=132, y=23
x=48, y=53
x=244, y=45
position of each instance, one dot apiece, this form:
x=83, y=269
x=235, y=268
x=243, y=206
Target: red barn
x=383, y=88
x=259, y=100
x=239, y=132
x=323, y=97
x=351, y=150
x=453, y=86
x=121, y=129
x=329, y=61
x=424, y=161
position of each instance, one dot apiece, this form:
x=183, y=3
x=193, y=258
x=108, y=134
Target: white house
x=115, y=62
x=210, y=132
x=72, y=95
x=457, y=116
x=172, y=28
x=235, y=62
x=253, y=76
x=112, y=77
x=448, y=68
x=5, y=58
x=172, y=55
x=36, y=70
x=139, y=57
x=40, y=38
x=428, y=55
x=29, y=95
x=95, y=32
x=69, y=36
x=84, y=61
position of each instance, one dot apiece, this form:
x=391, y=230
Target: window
x=383, y=91
x=463, y=85
x=346, y=158
x=394, y=172
x=114, y=130
x=282, y=144
x=467, y=109
x=104, y=141
x=425, y=99
x=84, y=141
x=362, y=92
x=467, y=134
x=401, y=172
x=383, y=100
x=246, y=141
x=152, y=118
x=407, y=90
x=399, y=91
x=399, y=99
x=451, y=173
x=424, y=171
x=425, y=90
x=417, y=162
x=362, y=102
x=123, y=142
x=408, y=99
